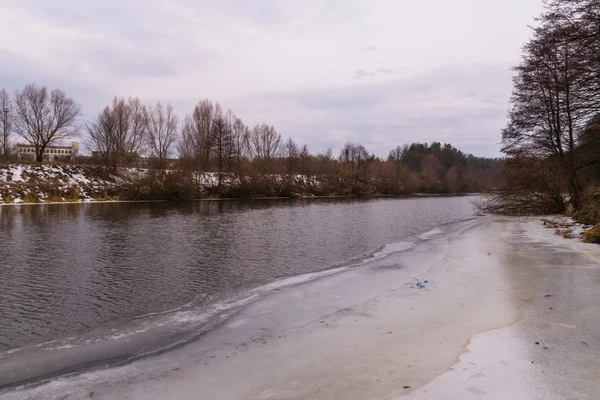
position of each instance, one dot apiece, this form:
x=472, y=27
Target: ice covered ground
x=510, y=311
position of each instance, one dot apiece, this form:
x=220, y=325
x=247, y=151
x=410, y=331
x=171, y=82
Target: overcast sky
x=376, y=72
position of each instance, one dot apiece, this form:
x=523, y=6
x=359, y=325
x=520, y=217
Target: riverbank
x=495, y=287
x=66, y=183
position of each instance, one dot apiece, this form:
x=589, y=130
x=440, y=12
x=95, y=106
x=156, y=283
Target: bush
x=569, y=210
x=589, y=213
x=54, y=199
x=592, y=235
x=31, y=198
x=73, y=196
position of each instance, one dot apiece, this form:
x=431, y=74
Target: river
x=75, y=277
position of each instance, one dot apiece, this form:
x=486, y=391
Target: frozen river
x=95, y=284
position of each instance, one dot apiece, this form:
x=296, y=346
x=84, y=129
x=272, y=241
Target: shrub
x=592, y=235
x=31, y=198
x=54, y=199
x=589, y=212
x=73, y=196
x=569, y=210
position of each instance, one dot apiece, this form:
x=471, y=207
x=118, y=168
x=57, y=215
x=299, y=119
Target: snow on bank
x=25, y=183
x=49, y=183
x=565, y=227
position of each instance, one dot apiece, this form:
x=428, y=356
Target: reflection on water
x=66, y=269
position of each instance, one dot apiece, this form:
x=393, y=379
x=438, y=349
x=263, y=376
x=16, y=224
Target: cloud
x=362, y=73
x=308, y=67
x=445, y=105
x=385, y=70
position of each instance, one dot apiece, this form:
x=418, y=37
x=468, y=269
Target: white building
x=51, y=153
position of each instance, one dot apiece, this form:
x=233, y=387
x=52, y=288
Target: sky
x=380, y=73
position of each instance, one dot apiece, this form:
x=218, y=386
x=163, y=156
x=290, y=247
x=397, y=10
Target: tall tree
x=6, y=111
x=304, y=156
x=263, y=145
x=289, y=151
x=550, y=102
x=118, y=134
x=221, y=141
x=197, y=134
x=42, y=118
x=162, y=132
x=239, y=143
x=357, y=168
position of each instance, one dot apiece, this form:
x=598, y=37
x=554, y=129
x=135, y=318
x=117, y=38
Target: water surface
x=69, y=269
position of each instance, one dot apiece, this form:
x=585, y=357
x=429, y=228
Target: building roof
x=47, y=147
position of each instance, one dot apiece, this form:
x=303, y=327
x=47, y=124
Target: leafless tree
x=263, y=145
x=221, y=139
x=42, y=118
x=395, y=157
x=101, y=137
x=162, y=133
x=556, y=92
x=289, y=152
x=118, y=135
x=304, y=156
x=357, y=162
x=197, y=135
x=6, y=110
x=241, y=136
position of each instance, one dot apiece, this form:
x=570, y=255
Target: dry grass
x=569, y=210
x=589, y=213
x=592, y=235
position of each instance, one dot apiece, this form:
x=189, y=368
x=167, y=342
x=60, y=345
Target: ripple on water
x=67, y=269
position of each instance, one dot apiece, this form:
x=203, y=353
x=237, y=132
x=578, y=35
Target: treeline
x=552, y=138
x=212, y=152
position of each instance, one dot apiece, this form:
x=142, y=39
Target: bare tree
x=101, y=137
x=357, y=162
x=118, y=133
x=551, y=101
x=263, y=145
x=304, y=155
x=6, y=110
x=289, y=152
x=221, y=141
x=197, y=135
x=43, y=118
x=161, y=133
x=395, y=157
x=203, y=121
x=131, y=143
x=240, y=139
